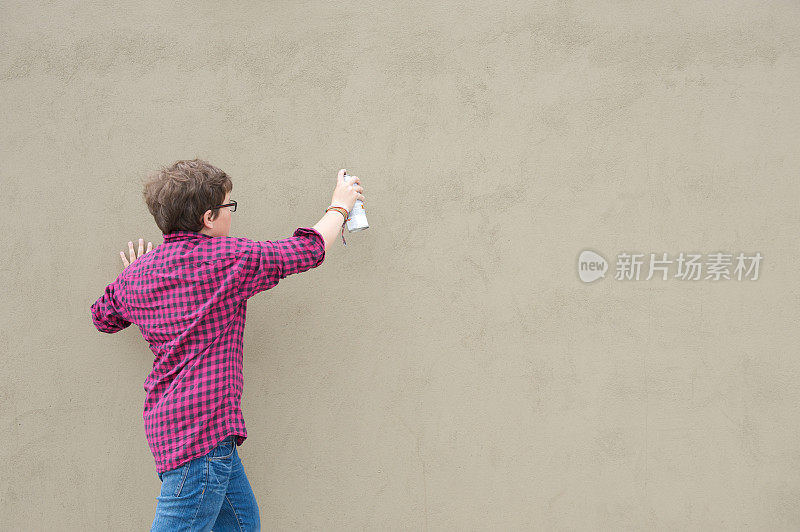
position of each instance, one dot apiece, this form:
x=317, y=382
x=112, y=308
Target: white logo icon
x=591, y=266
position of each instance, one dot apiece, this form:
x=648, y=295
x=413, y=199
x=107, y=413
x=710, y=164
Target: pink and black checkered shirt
x=189, y=298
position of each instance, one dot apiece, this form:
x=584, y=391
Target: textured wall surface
x=447, y=369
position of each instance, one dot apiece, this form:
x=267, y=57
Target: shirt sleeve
x=107, y=310
x=266, y=262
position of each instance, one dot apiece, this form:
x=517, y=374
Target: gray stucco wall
x=447, y=369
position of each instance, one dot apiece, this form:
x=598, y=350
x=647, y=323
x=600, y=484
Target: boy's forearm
x=329, y=226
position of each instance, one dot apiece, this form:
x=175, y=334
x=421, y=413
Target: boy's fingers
x=124, y=261
x=149, y=247
x=341, y=174
x=141, y=247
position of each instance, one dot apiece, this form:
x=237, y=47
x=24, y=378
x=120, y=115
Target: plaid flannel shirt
x=188, y=296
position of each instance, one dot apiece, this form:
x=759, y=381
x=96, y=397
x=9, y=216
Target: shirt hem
x=184, y=461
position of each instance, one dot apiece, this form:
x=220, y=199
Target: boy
x=189, y=298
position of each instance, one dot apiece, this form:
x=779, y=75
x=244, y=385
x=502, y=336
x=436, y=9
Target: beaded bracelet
x=344, y=213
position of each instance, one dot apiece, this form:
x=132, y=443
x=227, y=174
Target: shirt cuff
x=310, y=231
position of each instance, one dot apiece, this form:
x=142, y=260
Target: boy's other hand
x=133, y=255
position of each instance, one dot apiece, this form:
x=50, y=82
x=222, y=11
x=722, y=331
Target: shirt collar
x=184, y=235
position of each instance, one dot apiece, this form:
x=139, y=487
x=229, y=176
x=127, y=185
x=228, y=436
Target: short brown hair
x=179, y=195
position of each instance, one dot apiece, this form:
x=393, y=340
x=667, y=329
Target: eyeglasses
x=231, y=204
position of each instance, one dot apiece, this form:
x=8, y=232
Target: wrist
x=338, y=208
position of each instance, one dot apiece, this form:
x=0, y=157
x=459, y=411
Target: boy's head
x=186, y=197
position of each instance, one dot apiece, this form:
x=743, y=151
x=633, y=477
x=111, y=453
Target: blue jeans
x=208, y=492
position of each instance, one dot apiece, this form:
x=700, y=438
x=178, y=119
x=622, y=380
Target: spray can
x=357, y=221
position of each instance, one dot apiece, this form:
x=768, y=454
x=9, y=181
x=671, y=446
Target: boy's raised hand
x=133, y=255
